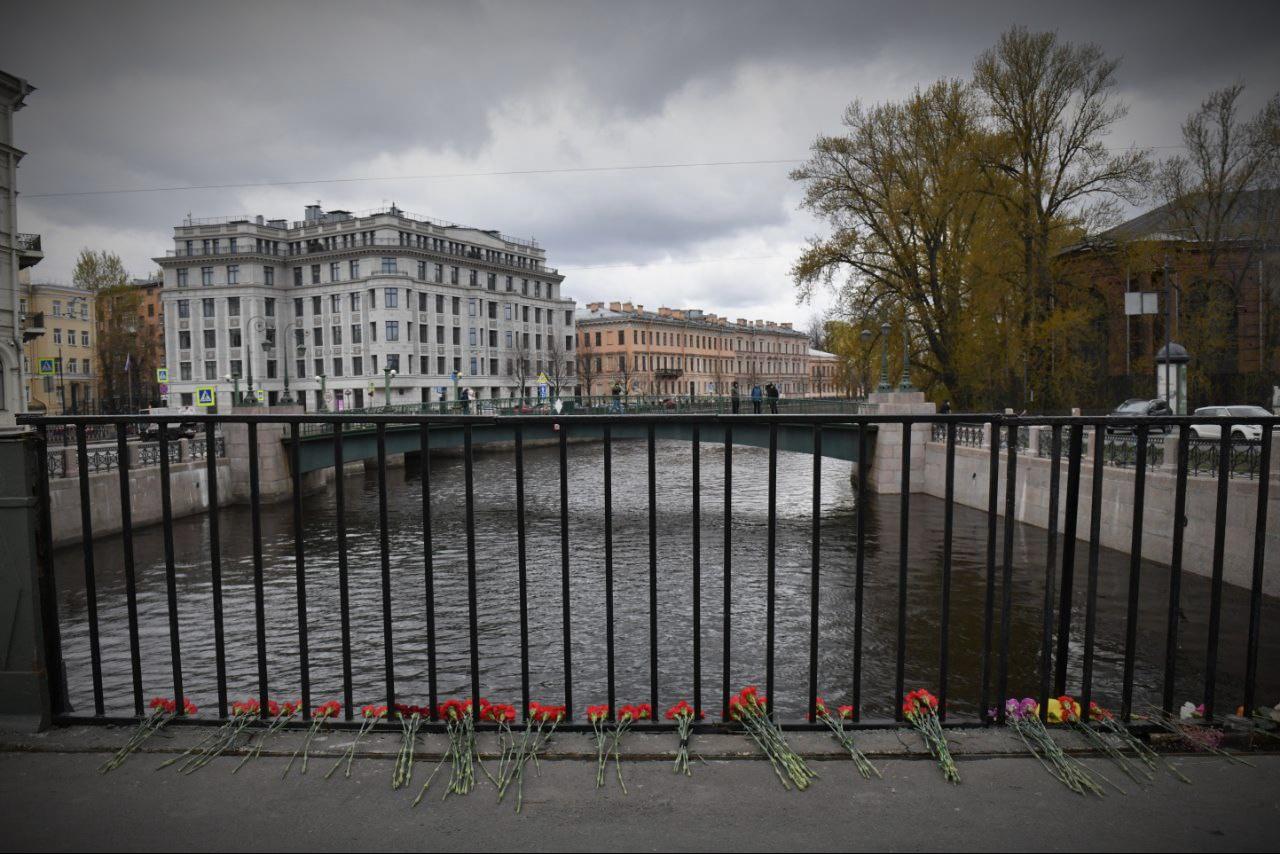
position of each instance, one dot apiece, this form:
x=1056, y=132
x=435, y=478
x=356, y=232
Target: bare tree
x=520, y=366
x=586, y=369
x=560, y=367
x=1051, y=105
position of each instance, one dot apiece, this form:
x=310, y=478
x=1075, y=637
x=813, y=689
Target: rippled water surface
x=498, y=599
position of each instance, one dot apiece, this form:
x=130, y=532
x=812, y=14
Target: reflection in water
x=498, y=602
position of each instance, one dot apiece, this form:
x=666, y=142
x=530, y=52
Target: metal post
x=1168, y=333
x=884, y=358
x=905, y=383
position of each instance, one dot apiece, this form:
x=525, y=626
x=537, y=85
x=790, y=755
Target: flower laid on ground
x=243, y=713
x=1139, y=773
x=598, y=716
x=460, y=723
x=281, y=714
x=683, y=714
x=319, y=716
x=1197, y=736
x=539, y=727
x=749, y=708
x=410, y=718
x=626, y=716
x=161, y=711
x=920, y=708
x=835, y=723
x=370, y=715
x=1024, y=717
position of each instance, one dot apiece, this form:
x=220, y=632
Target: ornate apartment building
x=18, y=252
x=334, y=309
x=60, y=364
x=686, y=352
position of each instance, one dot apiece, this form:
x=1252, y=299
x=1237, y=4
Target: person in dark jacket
x=735, y=398
x=756, y=398
x=771, y=391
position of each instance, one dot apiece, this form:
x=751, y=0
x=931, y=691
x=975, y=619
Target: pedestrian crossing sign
x=206, y=396
x=542, y=379
x=162, y=375
x=46, y=367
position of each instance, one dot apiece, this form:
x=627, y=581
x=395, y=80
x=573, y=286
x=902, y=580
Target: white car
x=1247, y=432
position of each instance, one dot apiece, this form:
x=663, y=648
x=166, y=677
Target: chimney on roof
x=313, y=212
x=628, y=307
x=759, y=324
x=615, y=306
x=663, y=311
x=785, y=325
x=639, y=307
x=742, y=321
x=594, y=306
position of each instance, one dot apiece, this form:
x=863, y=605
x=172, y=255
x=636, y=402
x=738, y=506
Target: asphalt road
x=53, y=801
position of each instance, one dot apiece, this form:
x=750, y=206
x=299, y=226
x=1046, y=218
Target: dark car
x=1138, y=407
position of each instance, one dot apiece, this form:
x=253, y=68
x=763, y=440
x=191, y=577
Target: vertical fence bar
x=1175, y=569
x=300, y=569
x=90, y=579
x=653, y=573
x=608, y=564
x=1215, y=588
x=816, y=554
x=47, y=585
x=130, y=579
x=1259, y=553
x=859, y=568
x=1074, y=446
x=564, y=569
x=1091, y=583
x=1050, y=570
x=771, y=567
x=384, y=549
x=989, y=594
x=697, y=579
x=728, y=571
x=1006, y=576
x=473, y=614
x=1135, y=573
x=523, y=574
x=344, y=591
x=171, y=573
x=215, y=563
x=904, y=532
x=428, y=563
x=259, y=601
x=944, y=630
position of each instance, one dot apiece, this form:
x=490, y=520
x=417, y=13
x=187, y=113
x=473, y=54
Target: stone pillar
x=885, y=475
x=24, y=679
x=274, y=483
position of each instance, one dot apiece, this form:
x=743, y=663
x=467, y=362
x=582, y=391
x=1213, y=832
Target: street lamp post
x=866, y=336
x=905, y=383
x=884, y=358
x=320, y=378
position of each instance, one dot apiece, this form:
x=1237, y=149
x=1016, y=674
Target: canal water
x=498, y=602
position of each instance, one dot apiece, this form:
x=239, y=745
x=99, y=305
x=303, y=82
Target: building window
x=210, y=339
x=355, y=301
x=184, y=371
x=182, y=277
x=233, y=274
x=422, y=271
x=439, y=273
x=210, y=370
x=393, y=330
x=317, y=336
x=233, y=338
x=269, y=307
x=391, y=299
x=471, y=336
x=355, y=333
x=357, y=366
x=335, y=335
x=297, y=277
x=184, y=340
x=337, y=366
x=269, y=276
x=206, y=276
x=354, y=271
x=389, y=265
x=315, y=274
x=207, y=308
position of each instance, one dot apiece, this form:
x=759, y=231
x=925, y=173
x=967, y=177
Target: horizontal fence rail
x=1067, y=657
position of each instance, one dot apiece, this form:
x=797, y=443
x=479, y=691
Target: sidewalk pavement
x=53, y=798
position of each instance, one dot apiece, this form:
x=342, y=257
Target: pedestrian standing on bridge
x=756, y=398
x=616, y=391
x=735, y=397
x=771, y=391
x=465, y=397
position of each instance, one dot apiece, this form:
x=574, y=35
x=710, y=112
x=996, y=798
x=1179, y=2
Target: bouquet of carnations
x=842, y=735
x=243, y=714
x=410, y=718
x=1024, y=717
x=920, y=708
x=1189, y=727
x=319, y=716
x=370, y=716
x=460, y=724
x=281, y=714
x=1139, y=773
x=162, y=710
x=598, y=716
x=683, y=714
x=750, y=709
x=538, y=729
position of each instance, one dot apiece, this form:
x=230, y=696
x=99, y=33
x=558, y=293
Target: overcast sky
x=137, y=95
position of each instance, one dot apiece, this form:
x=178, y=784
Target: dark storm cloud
x=133, y=94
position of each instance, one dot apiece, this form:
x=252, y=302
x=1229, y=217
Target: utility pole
x=1168, y=331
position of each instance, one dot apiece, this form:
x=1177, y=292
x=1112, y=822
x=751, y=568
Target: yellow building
x=60, y=361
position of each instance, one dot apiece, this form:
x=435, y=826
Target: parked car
x=1246, y=432
x=174, y=429
x=1138, y=407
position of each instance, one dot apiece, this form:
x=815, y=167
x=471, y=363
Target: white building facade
x=18, y=251
x=334, y=310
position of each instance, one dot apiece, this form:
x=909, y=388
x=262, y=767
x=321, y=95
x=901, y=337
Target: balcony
x=668, y=373
x=29, y=250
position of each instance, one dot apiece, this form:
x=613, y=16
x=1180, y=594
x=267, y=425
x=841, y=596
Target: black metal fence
x=711, y=691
